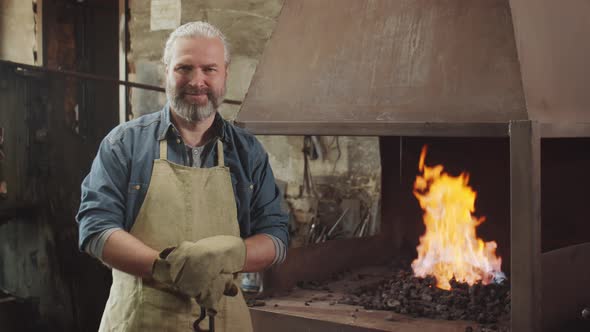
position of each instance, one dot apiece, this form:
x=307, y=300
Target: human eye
x=210, y=69
x=183, y=69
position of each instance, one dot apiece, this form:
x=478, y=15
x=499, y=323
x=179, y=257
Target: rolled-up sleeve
x=267, y=215
x=103, y=191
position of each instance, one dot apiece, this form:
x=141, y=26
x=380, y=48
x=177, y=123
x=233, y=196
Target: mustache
x=196, y=91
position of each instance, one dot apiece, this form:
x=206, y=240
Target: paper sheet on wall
x=165, y=14
x=18, y=32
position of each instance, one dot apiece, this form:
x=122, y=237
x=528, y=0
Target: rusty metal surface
x=321, y=260
x=525, y=226
x=340, y=61
x=554, y=48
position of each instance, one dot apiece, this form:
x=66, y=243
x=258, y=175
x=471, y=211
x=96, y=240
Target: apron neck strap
x=164, y=149
x=220, y=160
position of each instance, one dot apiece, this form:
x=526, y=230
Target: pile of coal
x=419, y=297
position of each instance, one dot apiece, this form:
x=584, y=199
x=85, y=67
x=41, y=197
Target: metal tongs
x=207, y=312
x=204, y=313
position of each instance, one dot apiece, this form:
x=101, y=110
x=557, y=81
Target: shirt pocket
x=243, y=191
x=135, y=195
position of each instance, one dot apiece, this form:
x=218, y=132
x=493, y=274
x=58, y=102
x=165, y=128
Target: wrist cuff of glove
x=161, y=271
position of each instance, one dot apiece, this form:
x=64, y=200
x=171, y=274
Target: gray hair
x=195, y=29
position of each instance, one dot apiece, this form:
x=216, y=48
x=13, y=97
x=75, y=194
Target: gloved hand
x=202, y=269
x=222, y=285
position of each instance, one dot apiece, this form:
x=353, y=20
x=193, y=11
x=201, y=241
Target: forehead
x=199, y=50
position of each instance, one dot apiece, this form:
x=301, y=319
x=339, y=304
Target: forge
x=356, y=284
x=494, y=90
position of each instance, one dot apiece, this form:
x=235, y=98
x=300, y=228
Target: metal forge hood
x=380, y=67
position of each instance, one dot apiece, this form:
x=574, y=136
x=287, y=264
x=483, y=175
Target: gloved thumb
x=212, y=294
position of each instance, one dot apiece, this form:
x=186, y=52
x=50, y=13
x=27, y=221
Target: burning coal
x=450, y=248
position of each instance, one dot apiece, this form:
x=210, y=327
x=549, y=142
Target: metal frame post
x=525, y=226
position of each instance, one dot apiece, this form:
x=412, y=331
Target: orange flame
x=450, y=248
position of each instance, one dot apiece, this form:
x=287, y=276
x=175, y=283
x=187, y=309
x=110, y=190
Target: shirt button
x=251, y=186
x=137, y=187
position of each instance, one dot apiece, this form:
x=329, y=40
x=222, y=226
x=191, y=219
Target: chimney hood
x=423, y=68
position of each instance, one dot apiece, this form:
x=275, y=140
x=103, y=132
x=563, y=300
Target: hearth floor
x=321, y=304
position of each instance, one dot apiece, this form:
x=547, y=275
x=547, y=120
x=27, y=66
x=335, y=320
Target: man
x=171, y=195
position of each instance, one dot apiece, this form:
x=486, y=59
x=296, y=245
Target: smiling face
x=195, y=77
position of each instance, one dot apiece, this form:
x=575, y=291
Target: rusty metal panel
x=554, y=48
x=343, y=61
x=320, y=261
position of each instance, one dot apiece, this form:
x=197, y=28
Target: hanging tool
x=336, y=223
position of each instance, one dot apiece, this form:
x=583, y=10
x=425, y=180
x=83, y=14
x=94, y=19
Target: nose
x=198, y=79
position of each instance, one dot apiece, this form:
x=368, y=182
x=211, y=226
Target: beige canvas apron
x=182, y=204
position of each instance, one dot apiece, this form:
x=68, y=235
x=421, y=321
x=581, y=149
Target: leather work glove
x=222, y=285
x=203, y=269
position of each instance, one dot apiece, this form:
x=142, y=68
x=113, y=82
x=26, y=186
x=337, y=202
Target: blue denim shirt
x=115, y=188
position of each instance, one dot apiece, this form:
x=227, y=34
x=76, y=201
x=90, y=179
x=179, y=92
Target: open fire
x=450, y=247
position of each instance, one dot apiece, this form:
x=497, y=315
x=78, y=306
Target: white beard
x=192, y=112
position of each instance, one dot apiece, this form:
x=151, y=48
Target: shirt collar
x=167, y=127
